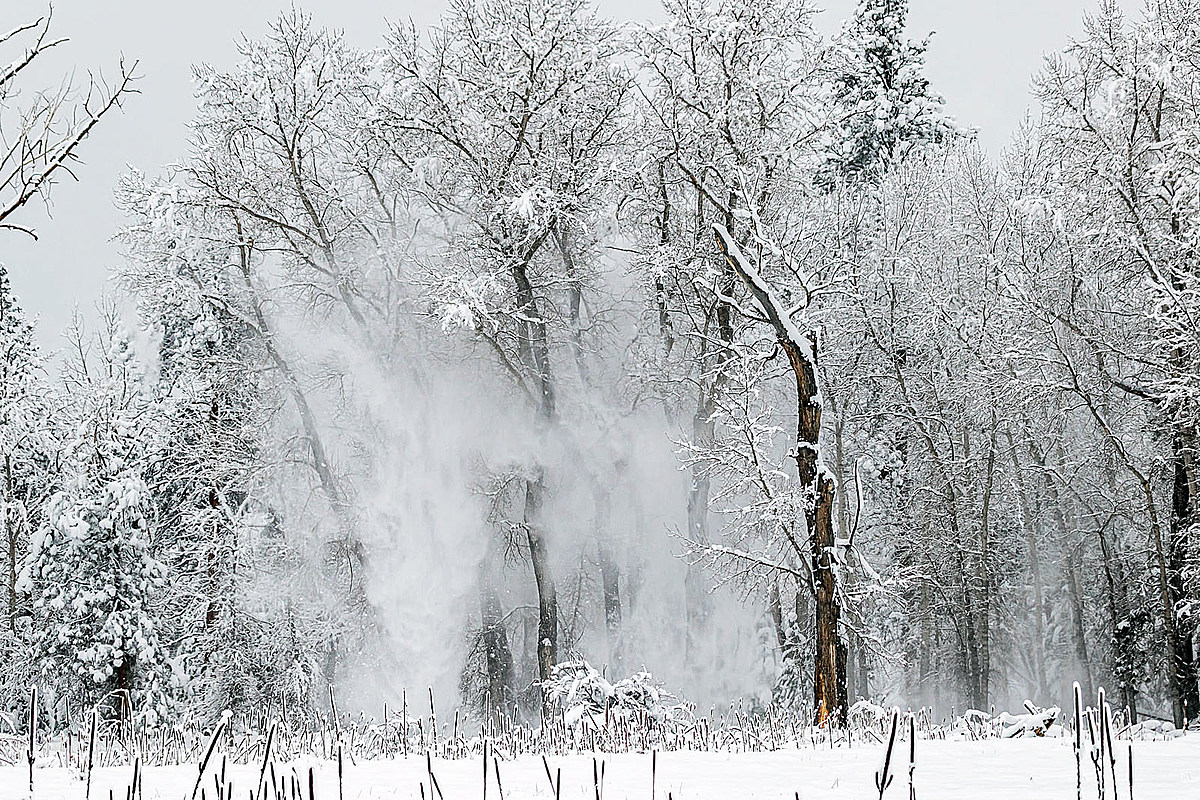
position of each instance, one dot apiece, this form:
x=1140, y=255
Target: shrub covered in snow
x=1038, y=722
x=585, y=697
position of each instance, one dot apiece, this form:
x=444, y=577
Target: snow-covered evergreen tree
x=27, y=445
x=882, y=103
x=94, y=580
x=23, y=440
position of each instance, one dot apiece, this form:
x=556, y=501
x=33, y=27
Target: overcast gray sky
x=981, y=59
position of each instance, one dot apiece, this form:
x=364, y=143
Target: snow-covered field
x=1022, y=769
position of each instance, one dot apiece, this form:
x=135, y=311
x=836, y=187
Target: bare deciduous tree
x=41, y=130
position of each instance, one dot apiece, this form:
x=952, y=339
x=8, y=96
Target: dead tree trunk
x=829, y=682
x=816, y=484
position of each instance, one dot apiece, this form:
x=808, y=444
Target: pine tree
x=881, y=100
x=92, y=574
x=23, y=445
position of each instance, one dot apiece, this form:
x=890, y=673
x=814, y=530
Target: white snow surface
x=991, y=769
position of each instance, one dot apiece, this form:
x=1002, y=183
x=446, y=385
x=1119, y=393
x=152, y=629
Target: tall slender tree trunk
x=547, y=643
x=1176, y=675
x=347, y=549
x=1071, y=567
x=697, y=600
x=775, y=609
x=1041, y=689
x=970, y=653
x=1126, y=647
x=11, y=534
x=497, y=655
x=1078, y=628
x=968, y=637
x=925, y=664
x=1121, y=666
x=985, y=573
x=610, y=570
x=1180, y=551
x=714, y=361
x=816, y=484
x=857, y=657
x=610, y=583
x=534, y=345
x=1182, y=650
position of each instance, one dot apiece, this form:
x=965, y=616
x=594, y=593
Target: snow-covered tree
x=514, y=114
x=730, y=86
x=1117, y=133
x=95, y=581
x=28, y=448
x=286, y=214
x=880, y=100
x=208, y=480
x=26, y=445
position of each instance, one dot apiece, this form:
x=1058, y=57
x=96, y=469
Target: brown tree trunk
x=829, y=681
x=817, y=487
x=830, y=677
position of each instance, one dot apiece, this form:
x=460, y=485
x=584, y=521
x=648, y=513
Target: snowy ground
x=1024, y=769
